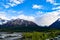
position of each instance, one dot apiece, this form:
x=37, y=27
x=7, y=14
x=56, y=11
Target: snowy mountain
x=18, y=25
x=17, y=22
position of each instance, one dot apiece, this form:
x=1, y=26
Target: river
x=10, y=36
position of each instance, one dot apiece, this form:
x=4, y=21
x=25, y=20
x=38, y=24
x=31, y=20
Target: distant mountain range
x=24, y=25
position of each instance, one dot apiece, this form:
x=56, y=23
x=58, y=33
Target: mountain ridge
x=56, y=24
x=24, y=25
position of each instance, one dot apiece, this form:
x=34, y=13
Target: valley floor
x=45, y=35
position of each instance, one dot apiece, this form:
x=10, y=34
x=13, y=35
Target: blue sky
x=32, y=10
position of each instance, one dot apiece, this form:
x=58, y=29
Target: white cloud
x=6, y=6
x=37, y=6
x=48, y=18
x=12, y=3
x=56, y=8
x=17, y=1
x=22, y=16
x=30, y=18
x=53, y=2
x=39, y=13
x=3, y=15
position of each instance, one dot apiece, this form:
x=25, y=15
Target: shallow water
x=10, y=36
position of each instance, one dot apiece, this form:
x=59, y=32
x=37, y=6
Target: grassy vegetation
x=41, y=35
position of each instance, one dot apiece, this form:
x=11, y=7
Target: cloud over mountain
x=48, y=18
x=44, y=20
